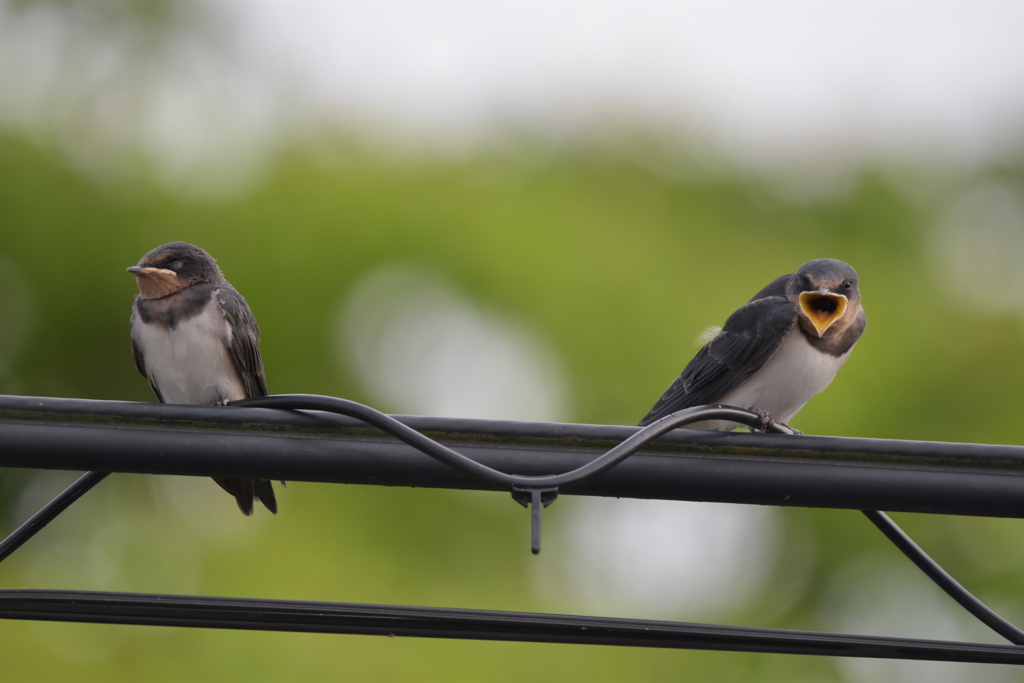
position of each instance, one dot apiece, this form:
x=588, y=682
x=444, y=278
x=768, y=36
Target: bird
x=775, y=352
x=196, y=341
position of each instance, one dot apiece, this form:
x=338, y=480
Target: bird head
x=826, y=294
x=170, y=268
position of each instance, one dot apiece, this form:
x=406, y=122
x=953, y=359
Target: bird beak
x=822, y=308
x=139, y=271
x=155, y=283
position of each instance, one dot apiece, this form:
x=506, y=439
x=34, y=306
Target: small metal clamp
x=534, y=498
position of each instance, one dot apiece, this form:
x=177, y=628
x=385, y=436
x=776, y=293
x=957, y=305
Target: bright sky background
x=798, y=83
x=760, y=78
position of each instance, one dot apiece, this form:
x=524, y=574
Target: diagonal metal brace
x=535, y=499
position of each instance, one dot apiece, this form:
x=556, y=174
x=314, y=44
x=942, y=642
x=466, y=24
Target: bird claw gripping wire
x=766, y=422
x=535, y=499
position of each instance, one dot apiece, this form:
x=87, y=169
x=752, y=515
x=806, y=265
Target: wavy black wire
x=454, y=459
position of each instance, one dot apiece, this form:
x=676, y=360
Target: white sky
x=758, y=77
x=772, y=84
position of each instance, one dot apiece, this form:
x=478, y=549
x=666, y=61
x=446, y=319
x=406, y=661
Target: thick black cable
x=946, y=582
x=50, y=511
x=468, y=624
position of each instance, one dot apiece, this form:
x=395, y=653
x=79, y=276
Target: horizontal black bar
x=771, y=469
x=433, y=622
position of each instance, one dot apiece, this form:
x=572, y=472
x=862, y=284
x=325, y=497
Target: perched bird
x=777, y=351
x=196, y=341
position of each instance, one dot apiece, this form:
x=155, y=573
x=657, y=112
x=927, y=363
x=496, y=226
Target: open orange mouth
x=822, y=309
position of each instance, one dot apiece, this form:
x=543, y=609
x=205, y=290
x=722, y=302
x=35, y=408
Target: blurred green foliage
x=620, y=255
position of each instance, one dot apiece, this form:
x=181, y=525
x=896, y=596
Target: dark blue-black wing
x=245, y=341
x=244, y=350
x=750, y=336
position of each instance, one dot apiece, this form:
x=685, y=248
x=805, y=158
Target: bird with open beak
x=777, y=351
x=196, y=341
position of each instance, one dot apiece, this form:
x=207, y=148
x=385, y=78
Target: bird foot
x=766, y=422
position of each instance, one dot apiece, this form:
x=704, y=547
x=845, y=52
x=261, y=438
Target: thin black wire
x=532, y=491
x=50, y=511
x=946, y=582
x=446, y=455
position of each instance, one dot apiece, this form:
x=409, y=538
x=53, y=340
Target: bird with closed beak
x=777, y=351
x=196, y=341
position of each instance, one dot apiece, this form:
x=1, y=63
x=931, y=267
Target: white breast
x=791, y=377
x=190, y=363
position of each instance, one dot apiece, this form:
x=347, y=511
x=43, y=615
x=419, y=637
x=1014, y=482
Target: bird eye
x=848, y=284
x=176, y=265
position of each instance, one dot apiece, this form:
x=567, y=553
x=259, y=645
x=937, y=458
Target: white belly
x=190, y=364
x=791, y=377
